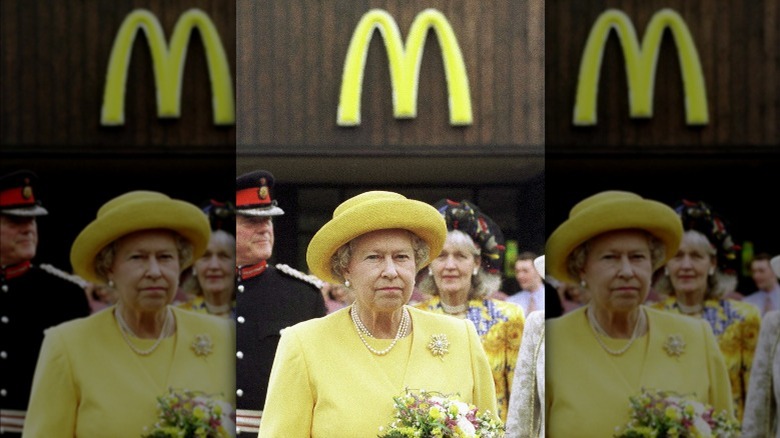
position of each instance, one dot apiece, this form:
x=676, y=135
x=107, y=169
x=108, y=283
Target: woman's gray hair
x=482, y=284
x=191, y=284
x=576, y=260
x=340, y=259
x=718, y=284
x=105, y=258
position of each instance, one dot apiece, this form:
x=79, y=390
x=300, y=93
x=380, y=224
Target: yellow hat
x=136, y=211
x=373, y=211
x=611, y=211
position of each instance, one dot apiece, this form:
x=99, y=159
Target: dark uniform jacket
x=266, y=304
x=30, y=303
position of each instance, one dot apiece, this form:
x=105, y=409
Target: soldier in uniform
x=268, y=299
x=33, y=297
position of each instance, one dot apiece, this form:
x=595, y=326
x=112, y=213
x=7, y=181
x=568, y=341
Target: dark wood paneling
x=291, y=62
x=739, y=48
x=53, y=68
x=73, y=190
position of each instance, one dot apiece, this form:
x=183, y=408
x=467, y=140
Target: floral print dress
x=500, y=327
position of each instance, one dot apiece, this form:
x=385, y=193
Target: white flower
x=438, y=400
x=463, y=408
x=466, y=427
x=702, y=426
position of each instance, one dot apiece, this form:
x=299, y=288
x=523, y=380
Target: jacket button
x=239, y=392
x=240, y=287
x=240, y=319
x=239, y=355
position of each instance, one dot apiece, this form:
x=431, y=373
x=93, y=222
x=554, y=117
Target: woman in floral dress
x=461, y=277
x=696, y=280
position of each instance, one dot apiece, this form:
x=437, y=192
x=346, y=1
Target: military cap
x=255, y=195
x=17, y=194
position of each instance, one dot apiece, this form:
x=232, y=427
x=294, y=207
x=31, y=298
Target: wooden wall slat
x=738, y=46
x=489, y=39
x=54, y=69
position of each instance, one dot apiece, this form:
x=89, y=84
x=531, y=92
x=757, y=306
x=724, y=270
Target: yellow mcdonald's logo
x=168, y=66
x=404, y=66
x=640, y=66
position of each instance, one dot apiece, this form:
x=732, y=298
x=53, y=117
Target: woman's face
x=381, y=269
x=689, y=268
x=145, y=270
x=453, y=268
x=618, y=270
x=215, y=268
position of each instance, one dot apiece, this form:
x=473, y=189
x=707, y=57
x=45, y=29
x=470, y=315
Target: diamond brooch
x=202, y=345
x=674, y=346
x=439, y=345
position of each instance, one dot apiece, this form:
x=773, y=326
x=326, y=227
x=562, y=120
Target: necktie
x=531, y=304
x=767, y=304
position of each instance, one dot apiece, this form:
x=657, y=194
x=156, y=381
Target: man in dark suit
x=33, y=297
x=268, y=298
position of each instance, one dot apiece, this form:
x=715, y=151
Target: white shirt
x=759, y=297
x=524, y=298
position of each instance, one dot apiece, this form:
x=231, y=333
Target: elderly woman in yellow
x=460, y=278
x=102, y=375
x=337, y=375
x=614, y=348
x=696, y=279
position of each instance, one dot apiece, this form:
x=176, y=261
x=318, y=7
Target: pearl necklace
x=598, y=332
x=689, y=310
x=217, y=310
x=125, y=329
x=362, y=331
x=453, y=310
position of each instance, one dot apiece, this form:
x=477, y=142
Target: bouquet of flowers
x=185, y=414
x=668, y=414
x=432, y=414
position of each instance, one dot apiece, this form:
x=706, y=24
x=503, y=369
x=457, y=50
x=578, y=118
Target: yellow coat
x=587, y=390
x=500, y=327
x=325, y=382
x=89, y=383
x=736, y=325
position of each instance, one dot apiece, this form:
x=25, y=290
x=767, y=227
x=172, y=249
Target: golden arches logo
x=404, y=64
x=168, y=66
x=641, y=64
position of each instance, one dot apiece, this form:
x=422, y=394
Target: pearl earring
x=583, y=284
x=347, y=284
x=666, y=271
x=194, y=271
x=476, y=270
x=712, y=270
x=430, y=271
x=111, y=283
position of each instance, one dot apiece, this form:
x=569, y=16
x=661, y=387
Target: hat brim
x=271, y=211
x=33, y=211
x=775, y=262
x=138, y=213
x=612, y=214
x=539, y=265
x=380, y=214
